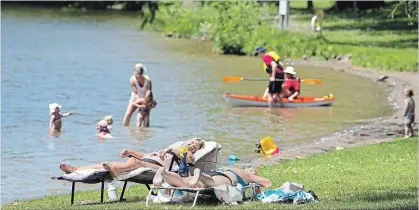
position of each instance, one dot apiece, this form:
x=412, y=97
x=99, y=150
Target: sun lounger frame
x=197, y=191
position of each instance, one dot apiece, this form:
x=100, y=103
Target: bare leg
x=410, y=129
x=265, y=94
x=146, y=120
x=173, y=179
x=279, y=99
x=194, y=179
x=250, y=177
x=68, y=168
x=140, y=120
x=206, y=180
x=270, y=100
x=406, y=130
x=128, y=114
x=158, y=177
x=118, y=167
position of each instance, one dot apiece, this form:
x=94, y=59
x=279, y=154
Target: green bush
x=237, y=27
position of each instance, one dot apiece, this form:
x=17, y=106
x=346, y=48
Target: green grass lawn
x=368, y=177
x=374, y=39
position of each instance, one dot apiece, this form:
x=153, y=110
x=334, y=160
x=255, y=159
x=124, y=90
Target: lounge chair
x=200, y=191
x=140, y=175
x=205, y=191
x=205, y=158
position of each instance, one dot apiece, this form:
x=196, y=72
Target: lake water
x=83, y=61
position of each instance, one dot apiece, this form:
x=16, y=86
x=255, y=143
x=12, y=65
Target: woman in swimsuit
x=55, y=119
x=154, y=160
x=104, y=126
x=233, y=178
x=213, y=178
x=139, y=83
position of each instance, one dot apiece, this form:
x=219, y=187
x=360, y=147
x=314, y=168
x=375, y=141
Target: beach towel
x=289, y=192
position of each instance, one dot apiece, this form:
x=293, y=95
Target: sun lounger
x=87, y=176
x=206, y=191
x=199, y=191
x=206, y=158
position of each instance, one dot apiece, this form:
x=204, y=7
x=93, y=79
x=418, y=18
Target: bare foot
x=112, y=169
x=158, y=178
x=124, y=153
x=67, y=168
x=194, y=179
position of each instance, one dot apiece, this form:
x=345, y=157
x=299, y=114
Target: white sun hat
x=53, y=106
x=290, y=70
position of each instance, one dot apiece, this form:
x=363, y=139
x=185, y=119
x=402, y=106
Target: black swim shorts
x=276, y=86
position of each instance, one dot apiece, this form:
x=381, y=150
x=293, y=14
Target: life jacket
x=292, y=89
x=275, y=56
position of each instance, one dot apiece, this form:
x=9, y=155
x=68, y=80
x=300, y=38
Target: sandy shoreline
x=381, y=129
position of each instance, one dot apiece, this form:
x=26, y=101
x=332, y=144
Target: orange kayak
x=257, y=101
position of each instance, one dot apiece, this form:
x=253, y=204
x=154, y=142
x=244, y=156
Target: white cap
x=53, y=106
x=290, y=70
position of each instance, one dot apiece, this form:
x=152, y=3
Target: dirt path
x=378, y=130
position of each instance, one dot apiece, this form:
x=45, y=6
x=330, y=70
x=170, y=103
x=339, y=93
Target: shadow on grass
x=403, y=198
x=402, y=43
x=378, y=26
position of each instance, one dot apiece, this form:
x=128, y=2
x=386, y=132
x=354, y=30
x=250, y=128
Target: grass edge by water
x=359, y=177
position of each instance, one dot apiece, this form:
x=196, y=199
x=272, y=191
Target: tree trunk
x=309, y=4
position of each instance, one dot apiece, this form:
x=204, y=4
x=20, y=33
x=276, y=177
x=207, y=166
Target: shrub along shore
x=379, y=176
x=373, y=41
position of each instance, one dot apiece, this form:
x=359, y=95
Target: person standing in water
x=409, y=112
x=275, y=69
x=140, y=83
x=55, y=122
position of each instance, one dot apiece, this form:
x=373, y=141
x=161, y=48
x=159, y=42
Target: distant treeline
x=100, y=5
x=139, y=5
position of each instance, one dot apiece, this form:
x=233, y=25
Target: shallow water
x=84, y=61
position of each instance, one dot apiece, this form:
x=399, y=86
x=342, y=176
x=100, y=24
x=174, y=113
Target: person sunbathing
x=162, y=158
x=213, y=178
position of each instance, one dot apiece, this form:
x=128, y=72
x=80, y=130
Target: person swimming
x=55, y=122
x=104, y=126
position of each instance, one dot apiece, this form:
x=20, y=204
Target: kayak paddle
x=237, y=79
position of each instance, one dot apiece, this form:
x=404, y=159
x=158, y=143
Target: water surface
x=83, y=61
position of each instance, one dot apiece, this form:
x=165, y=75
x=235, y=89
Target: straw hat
x=108, y=117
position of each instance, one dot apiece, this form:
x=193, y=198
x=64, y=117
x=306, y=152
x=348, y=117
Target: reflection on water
x=84, y=64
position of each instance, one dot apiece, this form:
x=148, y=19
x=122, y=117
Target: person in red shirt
x=274, y=68
x=291, y=85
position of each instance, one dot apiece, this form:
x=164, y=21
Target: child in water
x=55, y=119
x=144, y=105
x=409, y=112
x=104, y=126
